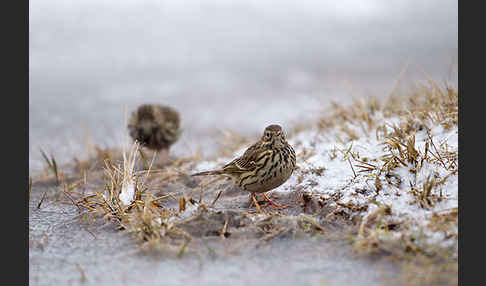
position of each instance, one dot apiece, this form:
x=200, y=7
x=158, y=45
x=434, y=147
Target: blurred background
x=225, y=65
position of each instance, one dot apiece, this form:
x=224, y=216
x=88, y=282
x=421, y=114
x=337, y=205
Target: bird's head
x=273, y=135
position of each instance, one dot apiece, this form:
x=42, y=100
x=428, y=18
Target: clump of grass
x=142, y=214
x=117, y=181
x=428, y=105
x=360, y=112
x=430, y=164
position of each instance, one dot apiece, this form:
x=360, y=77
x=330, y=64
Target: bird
x=155, y=126
x=264, y=166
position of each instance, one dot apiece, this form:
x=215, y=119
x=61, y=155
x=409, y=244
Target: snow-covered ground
x=328, y=169
x=338, y=178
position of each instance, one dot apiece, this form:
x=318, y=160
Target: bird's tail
x=209, y=173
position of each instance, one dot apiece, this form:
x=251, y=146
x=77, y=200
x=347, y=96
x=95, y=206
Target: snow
x=190, y=210
x=127, y=192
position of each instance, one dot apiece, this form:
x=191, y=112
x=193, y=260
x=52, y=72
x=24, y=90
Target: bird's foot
x=273, y=204
x=253, y=200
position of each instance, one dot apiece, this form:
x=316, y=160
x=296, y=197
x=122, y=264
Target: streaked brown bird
x=155, y=127
x=264, y=166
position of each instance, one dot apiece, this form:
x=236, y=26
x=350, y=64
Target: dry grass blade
x=182, y=250
x=349, y=161
x=182, y=204
x=41, y=200
x=71, y=199
x=81, y=271
x=51, y=163
x=224, y=232
x=427, y=187
x=144, y=159
x=412, y=153
x=54, y=168
x=365, y=166
x=437, y=155
x=165, y=197
x=46, y=158
x=443, y=180
x=217, y=197
x=346, y=155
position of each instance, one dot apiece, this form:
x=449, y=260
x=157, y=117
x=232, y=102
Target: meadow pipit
x=155, y=127
x=264, y=166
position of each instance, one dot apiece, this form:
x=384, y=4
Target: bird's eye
x=267, y=135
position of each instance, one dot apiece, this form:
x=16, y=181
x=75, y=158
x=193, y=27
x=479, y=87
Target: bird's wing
x=248, y=161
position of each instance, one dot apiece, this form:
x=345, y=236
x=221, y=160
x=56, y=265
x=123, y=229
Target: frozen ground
x=64, y=251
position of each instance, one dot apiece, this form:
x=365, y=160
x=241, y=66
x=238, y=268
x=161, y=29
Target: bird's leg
x=145, y=164
x=254, y=200
x=163, y=157
x=275, y=205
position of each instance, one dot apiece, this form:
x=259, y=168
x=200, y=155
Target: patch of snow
x=338, y=176
x=127, y=192
x=190, y=210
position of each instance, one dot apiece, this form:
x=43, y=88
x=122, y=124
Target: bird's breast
x=275, y=170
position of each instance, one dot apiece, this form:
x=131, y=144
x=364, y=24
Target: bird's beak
x=278, y=133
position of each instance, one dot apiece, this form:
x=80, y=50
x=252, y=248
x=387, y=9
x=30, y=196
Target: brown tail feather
x=208, y=173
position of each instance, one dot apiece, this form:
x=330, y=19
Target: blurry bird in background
x=156, y=127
